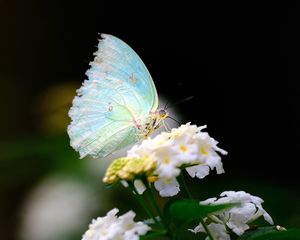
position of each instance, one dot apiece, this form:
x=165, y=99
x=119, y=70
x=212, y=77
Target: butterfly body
x=152, y=123
x=117, y=105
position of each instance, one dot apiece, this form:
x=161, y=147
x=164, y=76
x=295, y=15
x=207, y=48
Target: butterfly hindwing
x=119, y=90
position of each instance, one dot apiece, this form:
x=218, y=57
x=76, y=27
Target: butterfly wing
x=119, y=91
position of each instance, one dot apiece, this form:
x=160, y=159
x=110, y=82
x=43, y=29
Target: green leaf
x=253, y=234
x=271, y=233
x=153, y=235
x=186, y=210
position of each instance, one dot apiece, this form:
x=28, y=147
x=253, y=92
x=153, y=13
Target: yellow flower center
x=152, y=178
x=183, y=148
x=203, y=150
x=166, y=160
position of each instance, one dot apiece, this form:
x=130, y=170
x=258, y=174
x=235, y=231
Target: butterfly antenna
x=166, y=105
x=183, y=100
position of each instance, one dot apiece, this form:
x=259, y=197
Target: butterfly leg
x=166, y=126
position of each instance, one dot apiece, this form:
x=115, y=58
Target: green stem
x=206, y=229
x=184, y=186
x=152, y=198
x=188, y=193
x=150, y=193
x=143, y=203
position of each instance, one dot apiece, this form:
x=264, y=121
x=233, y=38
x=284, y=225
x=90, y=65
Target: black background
x=239, y=59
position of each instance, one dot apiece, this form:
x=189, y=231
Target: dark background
x=240, y=61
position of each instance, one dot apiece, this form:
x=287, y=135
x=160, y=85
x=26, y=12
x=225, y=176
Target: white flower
x=139, y=186
x=167, y=187
x=185, y=132
x=207, y=156
x=167, y=163
x=198, y=149
x=199, y=171
x=217, y=230
x=186, y=153
x=250, y=210
x=239, y=218
x=112, y=227
x=146, y=148
x=184, y=143
x=184, y=147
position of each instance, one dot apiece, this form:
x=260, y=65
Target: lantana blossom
x=238, y=218
x=167, y=187
x=183, y=147
x=112, y=227
x=162, y=158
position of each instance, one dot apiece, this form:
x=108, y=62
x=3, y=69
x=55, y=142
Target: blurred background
x=240, y=61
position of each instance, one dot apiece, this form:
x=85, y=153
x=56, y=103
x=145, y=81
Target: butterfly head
x=162, y=114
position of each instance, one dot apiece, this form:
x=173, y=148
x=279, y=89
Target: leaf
x=271, y=233
x=252, y=234
x=186, y=210
x=153, y=234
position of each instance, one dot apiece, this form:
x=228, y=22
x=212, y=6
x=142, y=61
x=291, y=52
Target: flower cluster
x=112, y=227
x=237, y=219
x=186, y=147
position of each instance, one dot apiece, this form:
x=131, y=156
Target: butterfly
x=117, y=105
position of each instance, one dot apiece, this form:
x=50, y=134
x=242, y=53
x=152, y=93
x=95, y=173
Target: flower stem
x=206, y=229
x=143, y=204
x=150, y=193
x=188, y=193
x=183, y=184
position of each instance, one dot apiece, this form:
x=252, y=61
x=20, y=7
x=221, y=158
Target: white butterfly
x=117, y=105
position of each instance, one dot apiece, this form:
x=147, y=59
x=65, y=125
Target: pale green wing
x=119, y=91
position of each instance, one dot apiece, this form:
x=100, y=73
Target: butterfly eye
x=162, y=113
